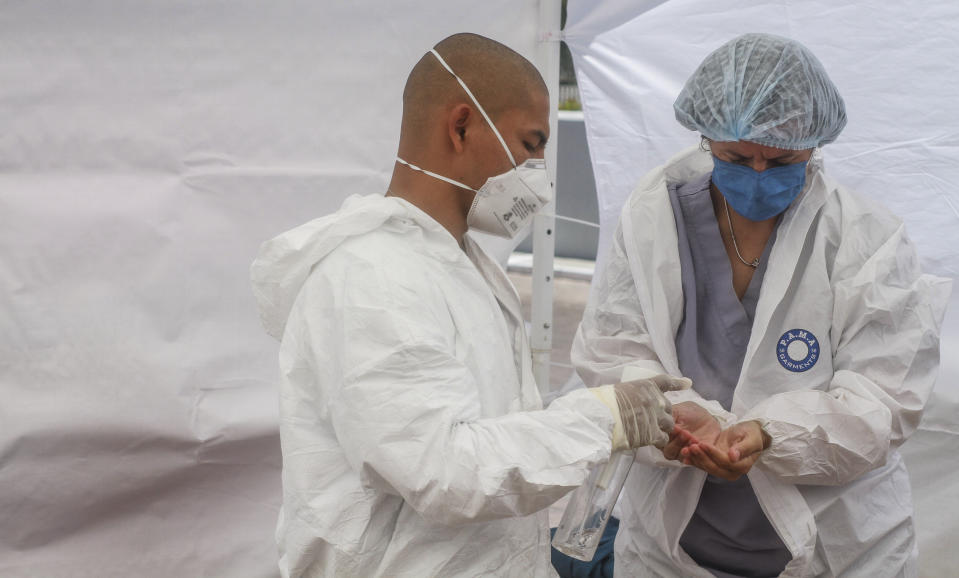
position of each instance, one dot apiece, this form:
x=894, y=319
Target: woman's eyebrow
x=785, y=156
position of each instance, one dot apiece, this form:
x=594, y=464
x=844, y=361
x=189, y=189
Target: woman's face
x=756, y=156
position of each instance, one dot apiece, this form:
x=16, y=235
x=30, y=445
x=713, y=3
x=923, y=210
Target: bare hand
x=693, y=425
x=732, y=455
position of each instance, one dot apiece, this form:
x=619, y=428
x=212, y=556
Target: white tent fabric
x=891, y=62
x=147, y=149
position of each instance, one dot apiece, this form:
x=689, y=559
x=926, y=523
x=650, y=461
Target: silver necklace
x=732, y=234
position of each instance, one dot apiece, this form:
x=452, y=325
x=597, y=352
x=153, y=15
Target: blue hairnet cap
x=764, y=89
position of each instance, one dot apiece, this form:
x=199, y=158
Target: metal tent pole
x=544, y=230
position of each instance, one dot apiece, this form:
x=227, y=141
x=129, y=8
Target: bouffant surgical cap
x=764, y=89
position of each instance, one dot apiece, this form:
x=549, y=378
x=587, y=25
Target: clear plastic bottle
x=590, y=507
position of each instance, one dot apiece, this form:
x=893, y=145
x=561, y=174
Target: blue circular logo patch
x=797, y=350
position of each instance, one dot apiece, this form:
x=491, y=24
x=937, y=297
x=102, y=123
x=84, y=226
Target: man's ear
x=458, y=120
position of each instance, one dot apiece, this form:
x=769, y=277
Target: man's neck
x=447, y=204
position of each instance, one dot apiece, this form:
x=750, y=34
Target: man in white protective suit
x=413, y=435
x=799, y=311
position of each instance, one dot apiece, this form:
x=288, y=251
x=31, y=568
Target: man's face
x=525, y=131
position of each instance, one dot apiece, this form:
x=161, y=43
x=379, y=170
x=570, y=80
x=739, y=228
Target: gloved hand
x=643, y=414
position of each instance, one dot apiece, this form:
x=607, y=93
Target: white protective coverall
x=414, y=443
x=832, y=482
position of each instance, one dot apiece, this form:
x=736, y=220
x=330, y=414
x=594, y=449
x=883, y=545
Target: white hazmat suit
x=413, y=438
x=843, y=278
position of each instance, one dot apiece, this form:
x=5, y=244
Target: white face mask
x=506, y=203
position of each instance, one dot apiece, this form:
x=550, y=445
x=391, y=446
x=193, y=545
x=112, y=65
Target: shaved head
x=499, y=77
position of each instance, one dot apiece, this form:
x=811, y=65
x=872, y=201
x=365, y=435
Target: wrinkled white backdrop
x=146, y=149
x=894, y=65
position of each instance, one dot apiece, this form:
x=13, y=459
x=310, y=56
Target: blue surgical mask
x=759, y=195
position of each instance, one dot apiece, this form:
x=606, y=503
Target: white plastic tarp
x=147, y=149
x=892, y=62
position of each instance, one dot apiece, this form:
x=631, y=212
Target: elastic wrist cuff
x=763, y=423
x=607, y=395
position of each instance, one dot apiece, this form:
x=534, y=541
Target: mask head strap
x=434, y=175
x=476, y=102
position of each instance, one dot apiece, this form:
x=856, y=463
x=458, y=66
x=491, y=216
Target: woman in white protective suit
x=799, y=311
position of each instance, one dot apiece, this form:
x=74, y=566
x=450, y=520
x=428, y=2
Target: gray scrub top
x=729, y=534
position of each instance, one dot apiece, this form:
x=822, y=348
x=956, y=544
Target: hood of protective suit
x=284, y=262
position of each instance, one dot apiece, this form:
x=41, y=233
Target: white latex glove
x=643, y=414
